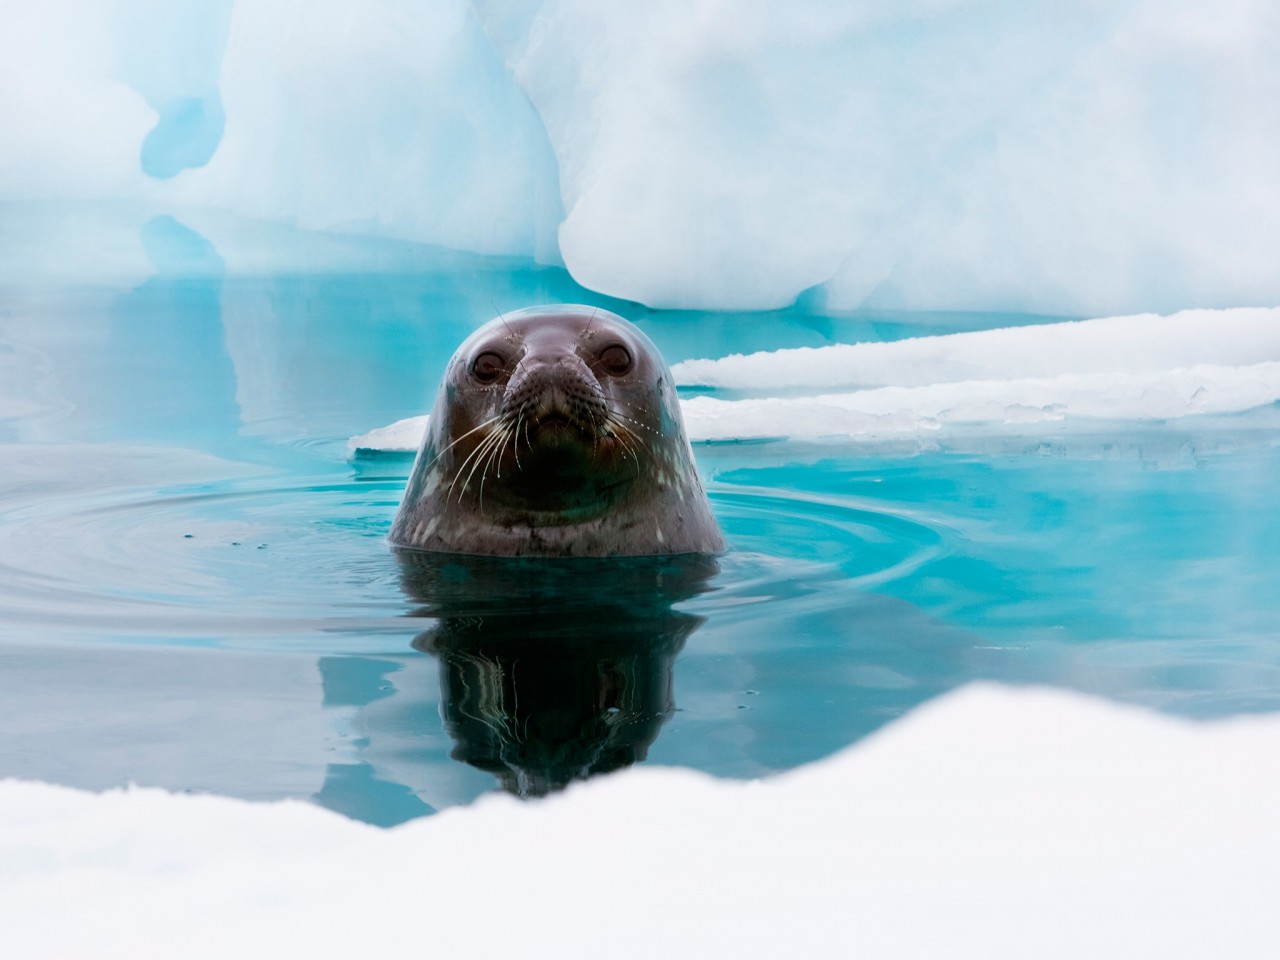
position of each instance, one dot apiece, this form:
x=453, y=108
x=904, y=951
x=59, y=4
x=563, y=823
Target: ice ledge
x=403, y=436
x=1138, y=368
x=991, y=822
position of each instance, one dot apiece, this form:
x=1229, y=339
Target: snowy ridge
x=1138, y=368
x=1030, y=822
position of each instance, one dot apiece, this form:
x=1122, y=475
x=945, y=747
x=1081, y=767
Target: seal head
x=556, y=432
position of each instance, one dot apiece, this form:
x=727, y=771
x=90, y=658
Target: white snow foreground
x=991, y=823
x=1144, y=367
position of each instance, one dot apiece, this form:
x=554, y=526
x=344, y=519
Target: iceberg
x=1074, y=158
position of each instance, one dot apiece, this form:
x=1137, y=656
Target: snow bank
x=1112, y=345
x=990, y=823
x=1040, y=156
x=891, y=411
x=1144, y=367
x=1136, y=368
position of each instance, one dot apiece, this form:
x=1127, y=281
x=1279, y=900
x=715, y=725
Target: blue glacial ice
x=1080, y=158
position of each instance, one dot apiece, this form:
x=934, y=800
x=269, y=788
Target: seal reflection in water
x=556, y=515
x=554, y=670
x=556, y=432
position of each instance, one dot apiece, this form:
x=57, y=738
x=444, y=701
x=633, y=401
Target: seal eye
x=487, y=367
x=615, y=360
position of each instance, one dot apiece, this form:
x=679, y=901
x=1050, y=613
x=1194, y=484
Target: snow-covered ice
x=1137, y=368
x=403, y=436
x=1113, y=345
x=990, y=823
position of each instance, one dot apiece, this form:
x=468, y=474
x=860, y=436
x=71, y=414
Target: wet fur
x=557, y=457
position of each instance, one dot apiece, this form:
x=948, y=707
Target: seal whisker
x=627, y=445
x=494, y=457
x=484, y=470
x=515, y=435
x=619, y=434
x=491, y=443
x=483, y=464
x=466, y=460
x=490, y=421
x=628, y=440
x=617, y=417
x=502, y=318
x=474, y=458
x=622, y=416
x=625, y=433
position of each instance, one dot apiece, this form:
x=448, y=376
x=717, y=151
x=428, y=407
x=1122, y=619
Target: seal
x=556, y=432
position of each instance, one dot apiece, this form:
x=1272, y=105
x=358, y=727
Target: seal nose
x=550, y=402
x=560, y=388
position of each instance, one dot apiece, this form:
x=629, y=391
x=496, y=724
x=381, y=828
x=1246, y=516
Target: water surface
x=196, y=592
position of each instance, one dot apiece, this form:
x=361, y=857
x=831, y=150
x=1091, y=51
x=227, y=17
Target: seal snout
x=555, y=393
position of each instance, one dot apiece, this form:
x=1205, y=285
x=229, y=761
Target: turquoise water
x=195, y=591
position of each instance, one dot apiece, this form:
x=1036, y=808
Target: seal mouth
x=559, y=398
x=558, y=428
x=557, y=450
x=556, y=462
x=557, y=478
x=557, y=408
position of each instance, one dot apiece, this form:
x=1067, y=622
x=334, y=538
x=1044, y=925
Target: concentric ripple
x=296, y=563
x=263, y=555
